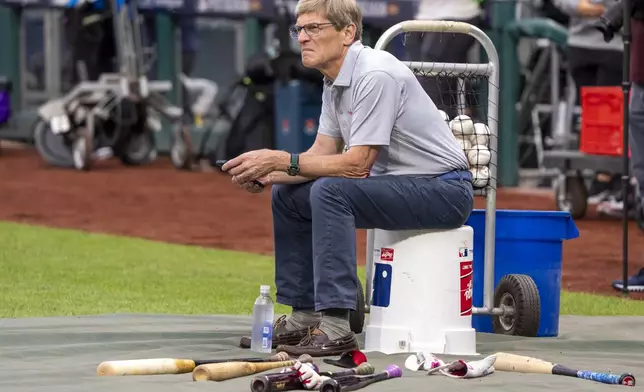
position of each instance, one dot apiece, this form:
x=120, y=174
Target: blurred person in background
x=444, y=48
x=594, y=62
x=636, y=121
x=189, y=47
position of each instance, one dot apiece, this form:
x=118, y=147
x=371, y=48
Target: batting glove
x=473, y=369
x=423, y=361
x=308, y=376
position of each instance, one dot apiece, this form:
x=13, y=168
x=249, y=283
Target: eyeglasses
x=311, y=29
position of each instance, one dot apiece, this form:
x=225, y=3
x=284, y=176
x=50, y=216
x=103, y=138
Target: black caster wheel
x=82, y=150
x=519, y=296
x=356, y=317
x=574, y=197
x=181, y=149
x=54, y=149
x=140, y=149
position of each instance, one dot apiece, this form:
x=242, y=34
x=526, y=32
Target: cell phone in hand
x=221, y=162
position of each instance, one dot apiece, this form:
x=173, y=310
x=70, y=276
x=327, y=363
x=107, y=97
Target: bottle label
x=267, y=335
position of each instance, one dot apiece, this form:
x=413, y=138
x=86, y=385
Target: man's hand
x=252, y=187
x=588, y=9
x=252, y=165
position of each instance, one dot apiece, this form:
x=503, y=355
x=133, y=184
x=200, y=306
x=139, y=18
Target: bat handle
x=606, y=378
x=361, y=384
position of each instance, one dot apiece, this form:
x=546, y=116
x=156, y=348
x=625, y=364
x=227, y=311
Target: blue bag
x=5, y=100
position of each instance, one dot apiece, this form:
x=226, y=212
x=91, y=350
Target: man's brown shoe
x=280, y=334
x=317, y=344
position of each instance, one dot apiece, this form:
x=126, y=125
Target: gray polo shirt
x=377, y=100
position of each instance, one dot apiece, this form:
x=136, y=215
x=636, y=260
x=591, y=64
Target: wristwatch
x=294, y=167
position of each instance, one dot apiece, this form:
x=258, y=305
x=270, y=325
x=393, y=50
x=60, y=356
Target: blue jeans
x=636, y=133
x=314, y=226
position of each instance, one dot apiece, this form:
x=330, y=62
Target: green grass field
x=51, y=272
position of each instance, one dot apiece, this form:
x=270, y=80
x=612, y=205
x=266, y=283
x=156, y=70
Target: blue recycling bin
x=297, y=115
x=529, y=243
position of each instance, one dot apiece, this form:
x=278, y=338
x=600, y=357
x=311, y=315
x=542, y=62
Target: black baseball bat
x=626, y=379
x=363, y=369
x=352, y=383
x=283, y=381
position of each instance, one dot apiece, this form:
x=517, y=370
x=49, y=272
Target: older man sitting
x=403, y=170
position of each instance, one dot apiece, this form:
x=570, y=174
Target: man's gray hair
x=341, y=13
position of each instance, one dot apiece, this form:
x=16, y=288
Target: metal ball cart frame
x=515, y=303
x=77, y=116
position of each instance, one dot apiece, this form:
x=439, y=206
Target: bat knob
x=200, y=373
x=627, y=379
x=105, y=369
x=305, y=358
x=259, y=384
x=393, y=371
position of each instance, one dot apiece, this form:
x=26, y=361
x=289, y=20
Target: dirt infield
x=160, y=203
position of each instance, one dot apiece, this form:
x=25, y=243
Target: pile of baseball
x=474, y=139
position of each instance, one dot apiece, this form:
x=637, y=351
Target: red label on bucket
x=386, y=254
x=466, y=288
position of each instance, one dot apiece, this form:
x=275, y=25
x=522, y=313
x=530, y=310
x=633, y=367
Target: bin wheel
x=181, y=149
x=575, y=198
x=356, y=317
x=519, y=295
x=82, y=149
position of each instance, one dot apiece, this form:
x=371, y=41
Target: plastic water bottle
x=263, y=313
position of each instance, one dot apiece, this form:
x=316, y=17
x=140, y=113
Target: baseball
x=465, y=143
x=479, y=155
x=462, y=125
x=481, y=134
x=480, y=176
x=444, y=116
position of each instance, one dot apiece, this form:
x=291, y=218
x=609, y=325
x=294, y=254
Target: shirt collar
x=348, y=65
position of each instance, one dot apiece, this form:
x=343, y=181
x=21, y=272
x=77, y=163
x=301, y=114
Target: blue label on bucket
x=382, y=285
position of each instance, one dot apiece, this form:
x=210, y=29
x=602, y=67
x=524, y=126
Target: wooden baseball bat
x=507, y=362
x=152, y=366
x=230, y=370
x=352, y=383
